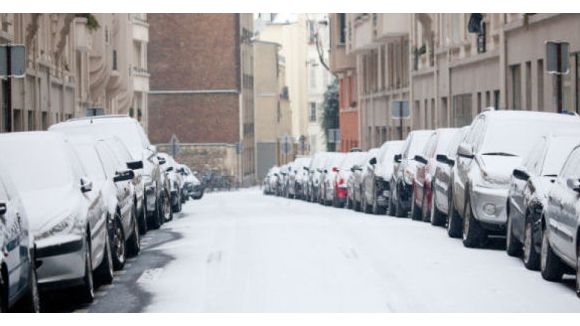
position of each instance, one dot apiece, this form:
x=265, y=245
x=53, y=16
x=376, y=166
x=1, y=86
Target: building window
x=44, y=121
x=114, y=60
x=462, y=110
x=313, y=82
x=341, y=28
x=426, y=114
x=417, y=115
x=516, y=87
x=31, y=124
x=529, y=85
x=433, y=114
x=312, y=112
x=479, y=102
x=444, y=112
x=496, y=99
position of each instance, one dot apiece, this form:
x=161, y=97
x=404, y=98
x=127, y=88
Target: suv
x=405, y=169
x=130, y=132
x=493, y=147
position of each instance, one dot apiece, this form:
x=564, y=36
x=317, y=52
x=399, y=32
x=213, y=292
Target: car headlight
x=69, y=224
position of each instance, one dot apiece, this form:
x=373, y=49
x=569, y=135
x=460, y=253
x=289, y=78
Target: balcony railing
x=139, y=71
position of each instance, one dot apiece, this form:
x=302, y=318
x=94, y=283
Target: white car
x=492, y=149
x=18, y=278
x=112, y=179
x=68, y=219
x=130, y=132
x=175, y=179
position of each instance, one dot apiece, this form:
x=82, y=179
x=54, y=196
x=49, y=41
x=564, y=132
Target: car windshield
x=44, y=164
x=557, y=154
x=517, y=137
x=90, y=160
x=417, y=144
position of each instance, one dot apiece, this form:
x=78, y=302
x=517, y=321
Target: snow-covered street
x=247, y=252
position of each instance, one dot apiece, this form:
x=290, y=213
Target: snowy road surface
x=246, y=252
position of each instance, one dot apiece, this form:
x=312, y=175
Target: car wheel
x=425, y=210
x=512, y=246
x=104, y=273
x=454, y=223
x=87, y=290
x=473, y=234
x=415, y=211
x=117, y=241
x=167, y=211
x=155, y=219
x=436, y=217
x=531, y=256
x=134, y=242
x=551, y=265
x=30, y=303
x=143, y=218
x=391, y=207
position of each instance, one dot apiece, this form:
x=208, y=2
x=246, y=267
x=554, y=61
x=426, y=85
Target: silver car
x=68, y=219
x=18, y=279
x=492, y=149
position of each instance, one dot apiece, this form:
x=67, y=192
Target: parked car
x=493, y=147
x=376, y=180
x=18, y=279
x=528, y=195
x=344, y=171
x=192, y=186
x=173, y=183
x=560, y=224
x=327, y=177
x=443, y=180
x=284, y=180
x=67, y=218
x=297, y=177
x=404, y=173
x=426, y=168
x=314, y=175
x=355, y=183
x=112, y=180
x=130, y=132
x=271, y=181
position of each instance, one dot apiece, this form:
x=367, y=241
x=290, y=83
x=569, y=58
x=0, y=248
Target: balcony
x=140, y=30
x=362, y=32
x=392, y=25
x=140, y=78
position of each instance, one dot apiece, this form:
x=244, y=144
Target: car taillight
x=341, y=181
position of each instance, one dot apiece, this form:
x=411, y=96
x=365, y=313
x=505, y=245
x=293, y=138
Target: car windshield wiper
x=499, y=154
x=551, y=175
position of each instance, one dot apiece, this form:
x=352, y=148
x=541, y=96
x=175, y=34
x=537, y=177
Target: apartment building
x=440, y=70
x=343, y=66
x=202, y=90
x=273, y=119
x=76, y=64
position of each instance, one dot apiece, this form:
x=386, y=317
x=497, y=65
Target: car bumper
x=61, y=260
x=488, y=204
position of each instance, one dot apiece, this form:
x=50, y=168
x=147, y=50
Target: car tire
x=155, y=219
x=454, y=222
x=512, y=246
x=425, y=210
x=143, y=219
x=531, y=257
x=117, y=243
x=551, y=266
x=30, y=303
x=87, y=290
x=134, y=242
x=473, y=234
x=104, y=273
x=399, y=211
x=167, y=211
x=376, y=208
x=437, y=218
x=415, y=211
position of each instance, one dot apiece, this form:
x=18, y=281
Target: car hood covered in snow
x=43, y=206
x=499, y=168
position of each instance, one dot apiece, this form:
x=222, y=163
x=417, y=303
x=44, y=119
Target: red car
x=427, y=164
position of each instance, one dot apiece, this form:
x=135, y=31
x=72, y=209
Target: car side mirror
x=161, y=160
x=465, y=150
x=334, y=169
x=305, y=168
x=398, y=158
x=521, y=174
x=3, y=208
x=135, y=165
x=373, y=161
x=86, y=185
x=574, y=184
x=169, y=169
x=152, y=148
x=325, y=171
x=181, y=170
x=420, y=159
x=124, y=175
x=441, y=158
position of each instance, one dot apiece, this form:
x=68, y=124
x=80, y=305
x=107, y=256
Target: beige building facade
x=451, y=66
x=75, y=63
